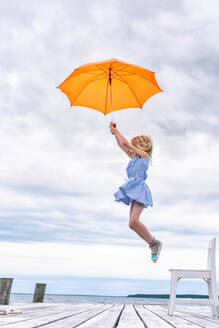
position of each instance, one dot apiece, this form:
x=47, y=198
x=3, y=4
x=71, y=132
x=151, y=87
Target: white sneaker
x=155, y=250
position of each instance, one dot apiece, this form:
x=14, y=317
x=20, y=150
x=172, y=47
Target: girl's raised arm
x=122, y=141
x=136, y=150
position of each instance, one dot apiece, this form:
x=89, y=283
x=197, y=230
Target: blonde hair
x=144, y=143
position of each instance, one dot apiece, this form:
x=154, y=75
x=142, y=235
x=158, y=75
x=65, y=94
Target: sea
x=53, y=298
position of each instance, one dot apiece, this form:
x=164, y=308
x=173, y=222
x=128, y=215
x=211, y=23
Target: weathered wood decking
x=100, y=315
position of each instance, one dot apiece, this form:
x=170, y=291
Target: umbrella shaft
x=110, y=79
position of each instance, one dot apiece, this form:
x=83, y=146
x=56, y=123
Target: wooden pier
x=102, y=315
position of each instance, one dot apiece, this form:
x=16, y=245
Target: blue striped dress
x=135, y=186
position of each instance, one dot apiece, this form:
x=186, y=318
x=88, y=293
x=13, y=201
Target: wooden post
x=5, y=290
x=39, y=293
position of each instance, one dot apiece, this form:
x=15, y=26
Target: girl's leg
x=135, y=224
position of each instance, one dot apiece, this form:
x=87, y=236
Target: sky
x=60, y=165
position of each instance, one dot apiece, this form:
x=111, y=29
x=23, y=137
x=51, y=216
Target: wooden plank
x=28, y=313
x=39, y=311
x=173, y=320
x=129, y=318
x=151, y=320
x=194, y=308
x=203, y=316
x=31, y=305
x=70, y=321
x=200, y=321
x=199, y=314
x=106, y=319
x=43, y=317
x=195, y=317
x=28, y=310
x=100, y=315
x=201, y=309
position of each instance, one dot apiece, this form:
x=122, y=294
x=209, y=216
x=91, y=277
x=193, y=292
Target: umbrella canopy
x=109, y=85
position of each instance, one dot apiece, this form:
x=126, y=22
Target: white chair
x=208, y=275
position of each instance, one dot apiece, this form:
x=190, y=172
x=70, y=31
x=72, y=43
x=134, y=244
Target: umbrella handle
x=113, y=124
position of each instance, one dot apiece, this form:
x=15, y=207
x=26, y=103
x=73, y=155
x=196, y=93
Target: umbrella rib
x=102, y=69
x=130, y=89
x=145, y=79
x=106, y=71
x=127, y=74
x=133, y=74
x=120, y=69
x=91, y=73
x=86, y=86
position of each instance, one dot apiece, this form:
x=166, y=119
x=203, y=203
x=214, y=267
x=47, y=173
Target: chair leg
x=172, y=298
x=213, y=298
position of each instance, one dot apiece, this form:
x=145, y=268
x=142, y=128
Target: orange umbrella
x=109, y=86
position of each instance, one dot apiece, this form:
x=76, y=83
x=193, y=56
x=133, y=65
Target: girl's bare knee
x=133, y=223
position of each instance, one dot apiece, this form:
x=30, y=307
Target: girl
x=135, y=190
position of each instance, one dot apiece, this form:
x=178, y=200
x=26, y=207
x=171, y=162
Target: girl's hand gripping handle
x=112, y=127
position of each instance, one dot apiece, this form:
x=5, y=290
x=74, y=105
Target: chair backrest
x=211, y=256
